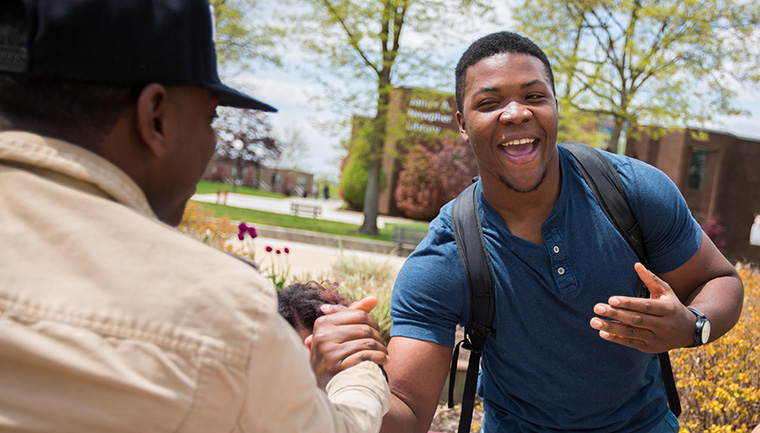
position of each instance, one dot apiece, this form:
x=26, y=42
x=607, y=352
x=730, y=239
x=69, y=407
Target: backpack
x=605, y=183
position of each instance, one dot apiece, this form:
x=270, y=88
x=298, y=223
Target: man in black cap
x=111, y=319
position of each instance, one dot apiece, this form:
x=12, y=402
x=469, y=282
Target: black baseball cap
x=123, y=43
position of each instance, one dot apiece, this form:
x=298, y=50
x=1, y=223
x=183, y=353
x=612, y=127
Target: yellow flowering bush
x=719, y=384
x=204, y=226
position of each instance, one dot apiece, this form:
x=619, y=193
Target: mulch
x=447, y=420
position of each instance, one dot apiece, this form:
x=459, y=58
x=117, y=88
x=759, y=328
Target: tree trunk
x=375, y=163
x=612, y=145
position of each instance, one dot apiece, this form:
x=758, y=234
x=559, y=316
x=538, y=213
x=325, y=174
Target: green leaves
x=670, y=63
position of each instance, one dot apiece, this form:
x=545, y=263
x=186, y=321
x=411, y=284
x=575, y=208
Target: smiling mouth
x=519, y=142
x=519, y=151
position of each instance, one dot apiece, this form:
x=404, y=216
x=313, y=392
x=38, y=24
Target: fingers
x=366, y=304
x=656, y=286
x=644, y=324
x=344, y=337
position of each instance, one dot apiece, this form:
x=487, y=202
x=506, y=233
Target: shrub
x=418, y=185
x=202, y=225
x=714, y=230
x=353, y=179
x=719, y=384
x=431, y=177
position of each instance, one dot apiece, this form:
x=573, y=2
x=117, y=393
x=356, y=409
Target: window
x=697, y=168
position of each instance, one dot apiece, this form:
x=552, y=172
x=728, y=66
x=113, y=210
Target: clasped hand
x=652, y=325
x=344, y=337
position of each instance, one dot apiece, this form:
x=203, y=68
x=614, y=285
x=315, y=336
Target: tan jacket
x=111, y=321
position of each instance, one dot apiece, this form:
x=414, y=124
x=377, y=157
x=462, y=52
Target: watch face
x=705, y=332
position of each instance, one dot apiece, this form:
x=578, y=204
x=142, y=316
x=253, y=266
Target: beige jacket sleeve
x=284, y=397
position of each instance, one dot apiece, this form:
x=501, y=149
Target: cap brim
x=230, y=97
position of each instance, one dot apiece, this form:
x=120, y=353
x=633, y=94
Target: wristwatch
x=702, y=328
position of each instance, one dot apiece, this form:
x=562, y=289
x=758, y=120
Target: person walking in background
x=754, y=232
x=326, y=192
x=113, y=321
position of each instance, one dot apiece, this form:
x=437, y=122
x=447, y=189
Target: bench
x=410, y=236
x=308, y=209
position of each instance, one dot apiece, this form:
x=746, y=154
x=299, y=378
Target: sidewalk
x=330, y=208
x=312, y=254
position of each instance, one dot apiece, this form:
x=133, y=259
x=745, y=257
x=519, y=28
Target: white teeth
x=516, y=142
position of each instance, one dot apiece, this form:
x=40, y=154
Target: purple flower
x=287, y=251
x=252, y=232
x=243, y=227
x=241, y=236
x=269, y=249
x=277, y=251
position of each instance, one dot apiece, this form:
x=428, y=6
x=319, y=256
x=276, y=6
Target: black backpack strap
x=468, y=233
x=605, y=183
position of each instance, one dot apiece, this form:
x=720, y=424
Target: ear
x=462, y=127
x=151, y=122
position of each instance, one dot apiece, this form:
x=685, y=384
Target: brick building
x=283, y=181
x=718, y=175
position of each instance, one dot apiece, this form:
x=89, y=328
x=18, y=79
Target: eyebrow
x=496, y=89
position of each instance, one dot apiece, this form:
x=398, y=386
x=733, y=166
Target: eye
x=487, y=104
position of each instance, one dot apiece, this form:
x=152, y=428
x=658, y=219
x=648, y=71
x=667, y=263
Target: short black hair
x=496, y=43
x=75, y=111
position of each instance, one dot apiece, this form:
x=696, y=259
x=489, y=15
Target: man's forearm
x=720, y=300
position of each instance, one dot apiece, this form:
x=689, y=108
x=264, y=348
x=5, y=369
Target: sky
x=292, y=93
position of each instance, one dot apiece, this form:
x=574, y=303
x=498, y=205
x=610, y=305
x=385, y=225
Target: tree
x=244, y=136
x=293, y=151
x=361, y=40
x=240, y=35
x=664, y=62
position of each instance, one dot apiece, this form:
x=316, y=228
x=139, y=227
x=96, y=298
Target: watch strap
x=701, y=320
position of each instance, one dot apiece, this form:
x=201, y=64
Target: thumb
x=657, y=287
x=365, y=304
x=307, y=341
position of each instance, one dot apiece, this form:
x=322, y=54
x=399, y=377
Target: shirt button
x=561, y=271
x=556, y=249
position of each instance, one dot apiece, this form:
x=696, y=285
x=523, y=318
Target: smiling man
x=575, y=346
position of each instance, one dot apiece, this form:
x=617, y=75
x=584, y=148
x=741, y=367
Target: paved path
x=330, y=208
x=305, y=260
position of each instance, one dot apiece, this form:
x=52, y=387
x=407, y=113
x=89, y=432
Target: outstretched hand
x=652, y=325
x=344, y=337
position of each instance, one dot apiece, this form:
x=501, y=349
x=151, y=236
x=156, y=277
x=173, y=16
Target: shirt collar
x=75, y=162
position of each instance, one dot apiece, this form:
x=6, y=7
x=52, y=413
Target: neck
x=525, y=212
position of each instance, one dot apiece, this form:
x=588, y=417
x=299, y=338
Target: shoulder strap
x=605, y=183
x=468, y=233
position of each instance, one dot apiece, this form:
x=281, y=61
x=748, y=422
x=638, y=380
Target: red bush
x=433, y=176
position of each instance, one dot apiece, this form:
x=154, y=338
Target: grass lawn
x=300, y=223
x=208, y=187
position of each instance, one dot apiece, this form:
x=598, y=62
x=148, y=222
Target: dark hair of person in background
x=300, y=303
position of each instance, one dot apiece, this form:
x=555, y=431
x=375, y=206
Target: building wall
x=730, y=187
x=416, y=117
x=283, y=181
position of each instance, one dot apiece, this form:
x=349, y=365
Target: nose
x=515, y=113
